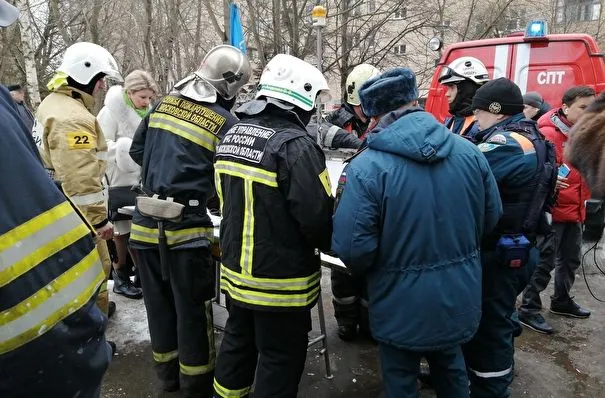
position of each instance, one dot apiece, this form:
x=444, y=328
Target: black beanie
x=500, y=97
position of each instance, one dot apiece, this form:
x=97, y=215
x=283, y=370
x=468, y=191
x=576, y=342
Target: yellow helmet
x=358, y=76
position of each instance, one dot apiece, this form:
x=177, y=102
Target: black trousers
x=271, y=344
x=561, y=251
x=349, y=300
x=179, y=313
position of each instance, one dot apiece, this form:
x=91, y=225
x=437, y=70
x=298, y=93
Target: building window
x=400, y=13
x=578, y=10
x=399, y=49
x=371, y=5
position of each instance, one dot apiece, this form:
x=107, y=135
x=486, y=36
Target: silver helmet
x=226, y=69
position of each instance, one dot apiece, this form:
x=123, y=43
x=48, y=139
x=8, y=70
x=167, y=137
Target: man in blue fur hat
x=419, y=254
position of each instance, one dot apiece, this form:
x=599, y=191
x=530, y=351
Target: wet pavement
x=570, y=363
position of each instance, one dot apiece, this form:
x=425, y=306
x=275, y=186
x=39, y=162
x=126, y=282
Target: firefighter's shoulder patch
x=324, y=177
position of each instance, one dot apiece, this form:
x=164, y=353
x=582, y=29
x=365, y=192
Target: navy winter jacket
x=415, y=205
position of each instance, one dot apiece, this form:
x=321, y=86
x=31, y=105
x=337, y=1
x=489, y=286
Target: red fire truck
x=534, y=60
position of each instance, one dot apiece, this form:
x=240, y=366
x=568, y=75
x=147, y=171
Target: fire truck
x=534, y=60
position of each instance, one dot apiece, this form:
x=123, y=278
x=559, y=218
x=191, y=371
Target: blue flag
x=236, y=36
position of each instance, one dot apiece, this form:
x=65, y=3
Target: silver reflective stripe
x=86, y=200
x=271, y=284
x=51, y=305
x=27, y=246
x=345, y=300
x=490, y=375
x=102, y=155
x=330, y=135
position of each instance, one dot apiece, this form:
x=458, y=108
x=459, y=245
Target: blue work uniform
x=489, y=355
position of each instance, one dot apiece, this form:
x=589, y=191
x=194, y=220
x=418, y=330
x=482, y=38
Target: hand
x=105, y=232
x=562, y=183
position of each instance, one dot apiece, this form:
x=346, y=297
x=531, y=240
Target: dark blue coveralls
x=489, y=355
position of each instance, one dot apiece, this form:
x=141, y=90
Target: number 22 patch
x=80, y=140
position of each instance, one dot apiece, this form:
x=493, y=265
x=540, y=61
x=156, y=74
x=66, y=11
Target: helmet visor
x=448, y=76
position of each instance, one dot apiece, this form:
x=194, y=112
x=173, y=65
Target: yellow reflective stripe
x=150, y=235
x=269, y=299
x=245, y=261
x=255, y=174
x=287, y=284
x=164, y=357
x=32, y=242
x=219, y=188
x=44, y=309
x=203, y=369
x=227, y=393
x=196, y=370
x=189, y=131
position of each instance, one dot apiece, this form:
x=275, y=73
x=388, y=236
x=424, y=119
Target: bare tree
x=28, y=51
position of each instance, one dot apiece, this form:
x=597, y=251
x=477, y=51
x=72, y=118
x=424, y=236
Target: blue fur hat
x=388, y=91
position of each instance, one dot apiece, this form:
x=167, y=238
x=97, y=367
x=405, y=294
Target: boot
x=111, y=309
x=122, y=285
x=569, y=308
x=535, y=322
x=347, y=332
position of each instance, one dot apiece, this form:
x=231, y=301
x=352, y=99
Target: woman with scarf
x=124, y=108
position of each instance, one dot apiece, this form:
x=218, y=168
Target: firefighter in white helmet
x=462, y=77
x=277, y=206
x=345, y=127
x=175, y=146
x=73, y=146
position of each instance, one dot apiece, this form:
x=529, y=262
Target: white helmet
x=294, y=81
x=464, y=68
x=358, y=76
x=83, y=61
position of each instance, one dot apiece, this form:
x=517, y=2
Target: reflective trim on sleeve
x=44, y=309
x=32, y=242
x=490, y=375
x=163, y=357
x=139, y=233
x=330, y=136
x=87, y=200
x=189, y=131
x=255, y=174
x=227, y=393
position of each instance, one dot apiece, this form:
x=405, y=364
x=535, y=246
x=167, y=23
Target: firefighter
x=73, y=146
x=348, y=296
x=175, y=145
x=524, y=166
x=462, y=77
x=277, y=210
x=52, y=340
x=345, y=128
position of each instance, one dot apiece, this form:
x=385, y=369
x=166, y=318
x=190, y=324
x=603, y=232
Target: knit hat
x=500, y=97
x=388, y=91
x=533, y=98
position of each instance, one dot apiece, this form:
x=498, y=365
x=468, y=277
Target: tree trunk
x=31, y=75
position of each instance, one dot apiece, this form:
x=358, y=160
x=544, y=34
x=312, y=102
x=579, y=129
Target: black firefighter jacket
x=175, y=145
x=277, y=209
